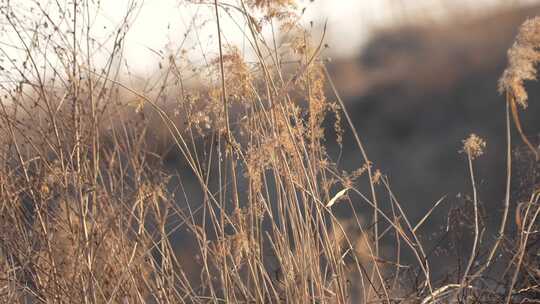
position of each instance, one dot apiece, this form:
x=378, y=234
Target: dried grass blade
x=428, y=214
x=336, y=197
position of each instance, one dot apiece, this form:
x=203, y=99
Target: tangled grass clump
x=220, y=192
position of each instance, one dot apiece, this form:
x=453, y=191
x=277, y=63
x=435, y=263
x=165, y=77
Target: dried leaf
x=336, y=197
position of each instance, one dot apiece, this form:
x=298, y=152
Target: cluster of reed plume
x=89, y=200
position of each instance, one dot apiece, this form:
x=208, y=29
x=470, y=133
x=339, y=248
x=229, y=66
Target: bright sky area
x=348, y=21
x=161, y=24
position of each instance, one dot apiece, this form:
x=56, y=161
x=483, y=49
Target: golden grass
x=89, y=207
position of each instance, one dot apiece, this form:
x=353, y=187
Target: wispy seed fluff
x=474, y=146
x=522, y=59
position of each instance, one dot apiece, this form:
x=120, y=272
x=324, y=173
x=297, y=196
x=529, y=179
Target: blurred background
x=417, y=77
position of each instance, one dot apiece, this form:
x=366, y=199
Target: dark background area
x=416, y=92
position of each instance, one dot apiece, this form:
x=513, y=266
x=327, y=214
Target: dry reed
x=91, y=208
